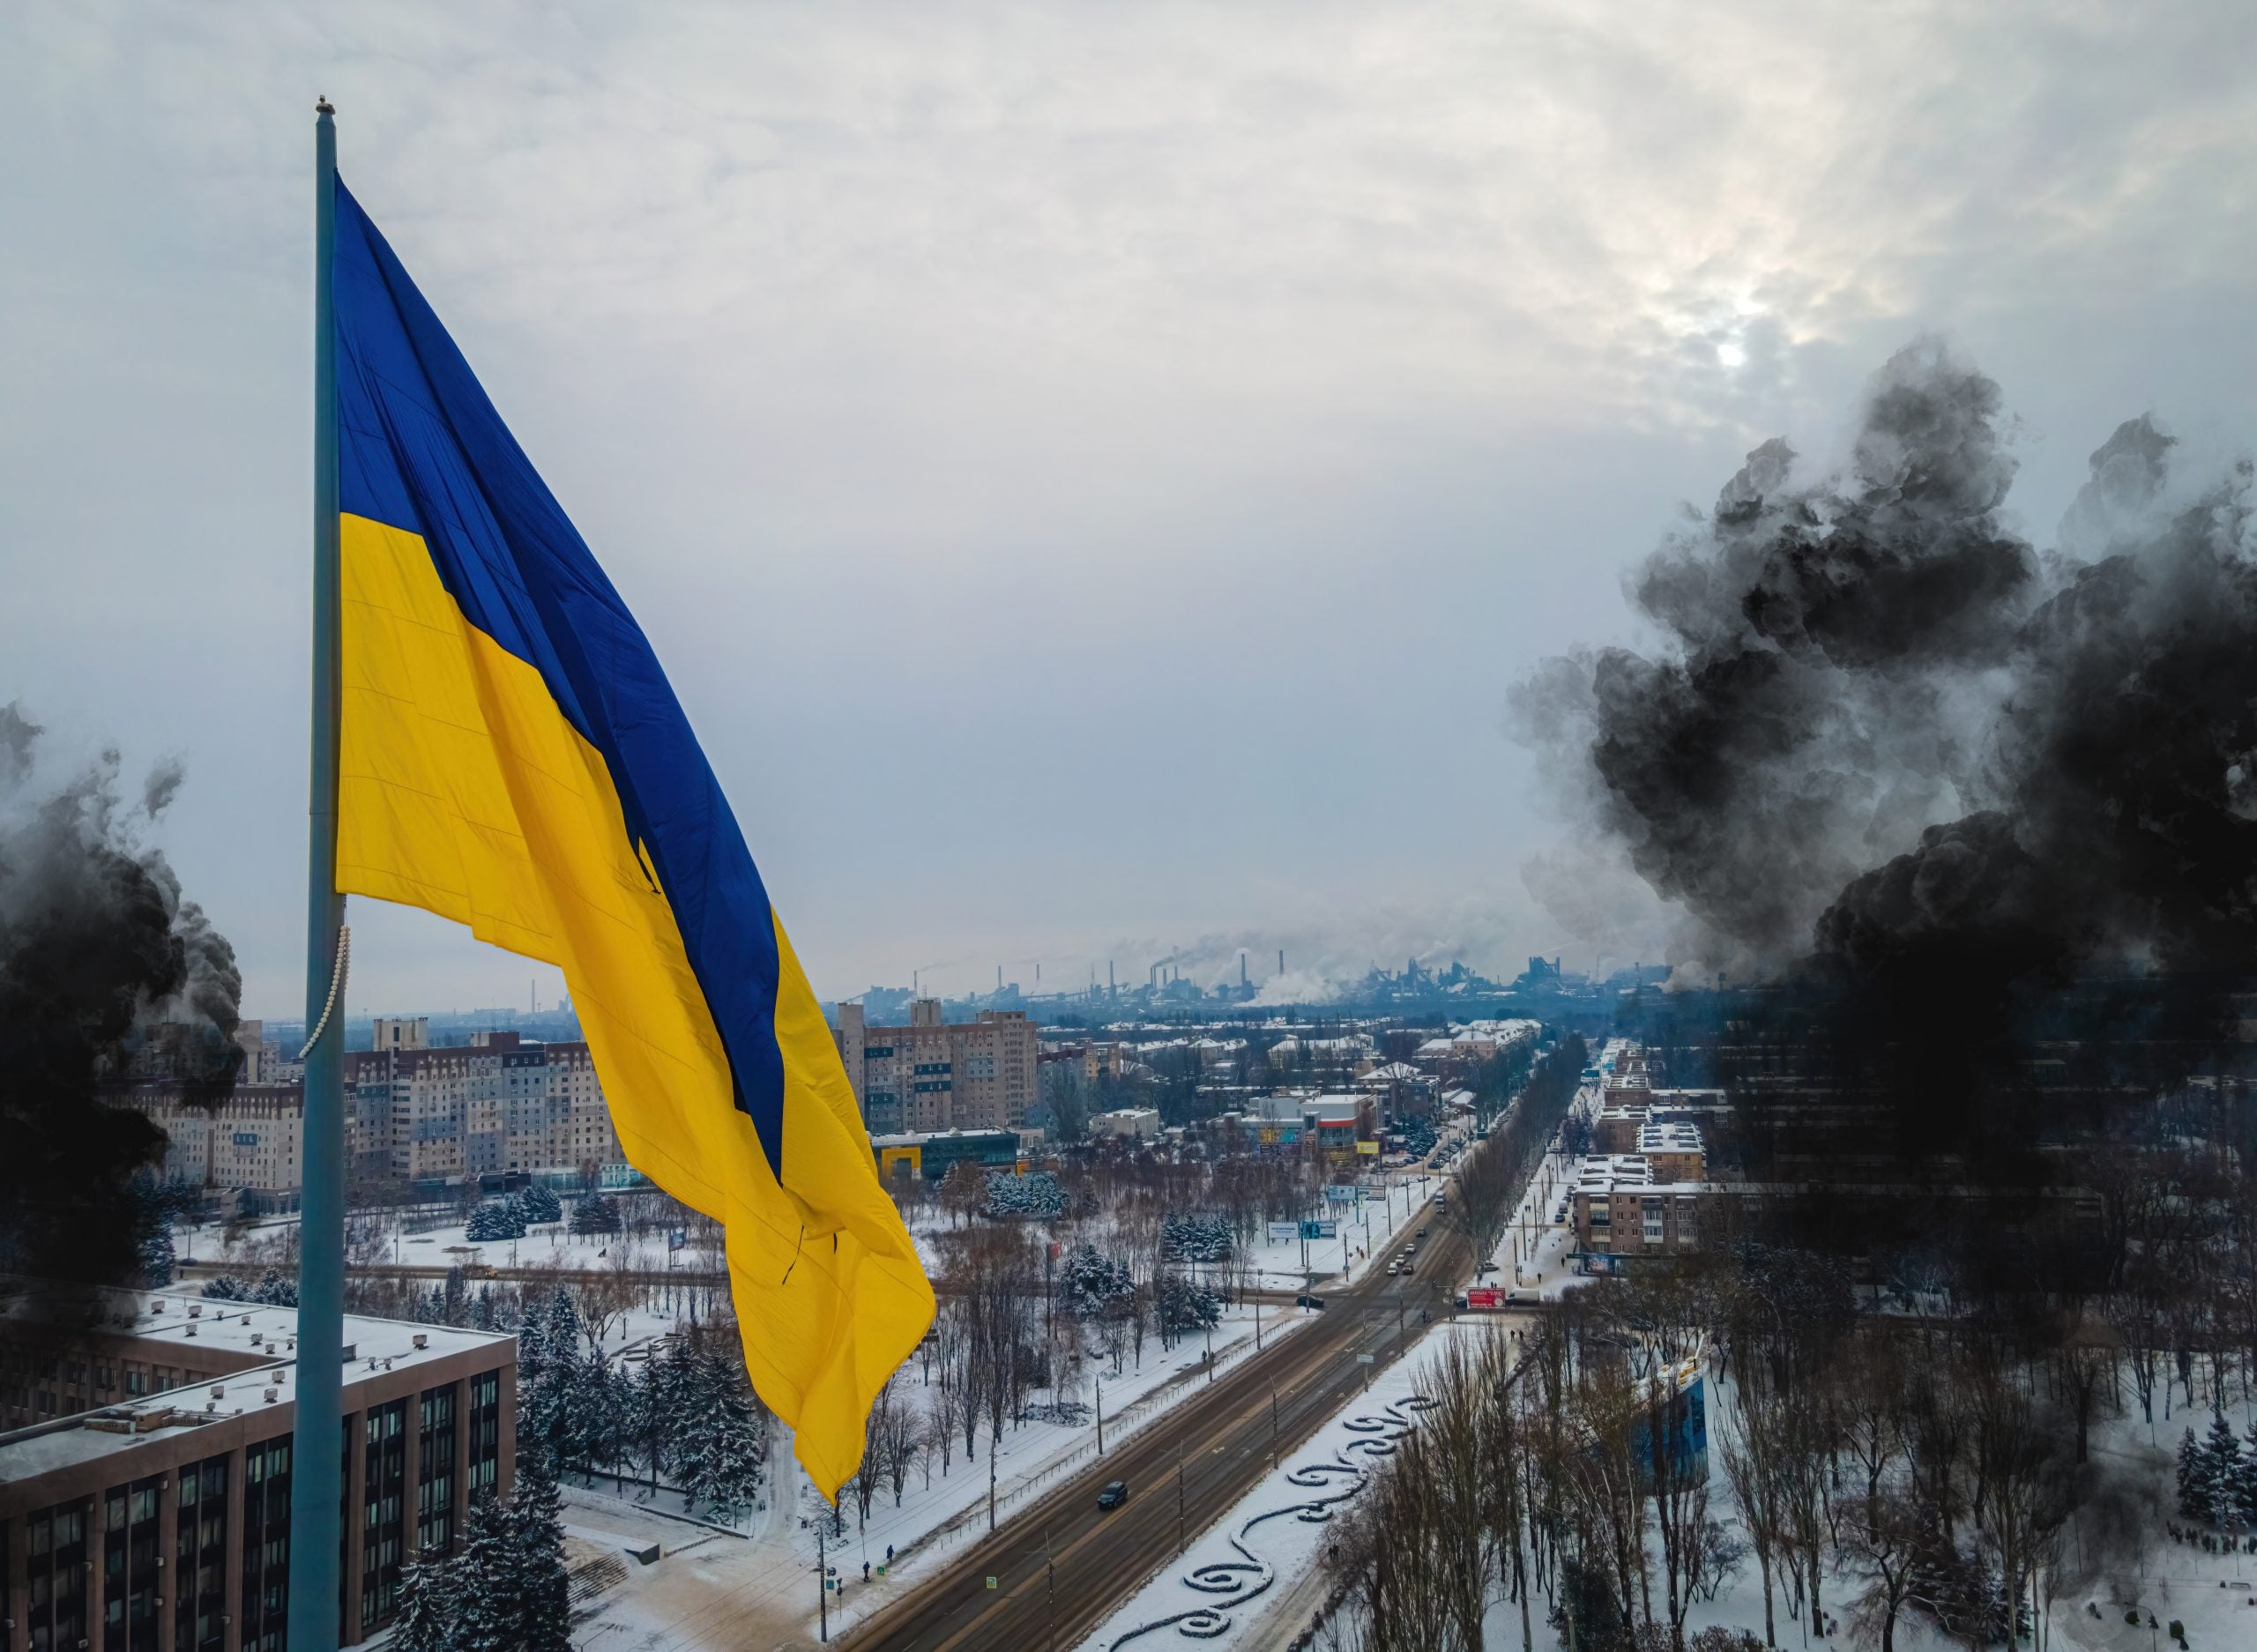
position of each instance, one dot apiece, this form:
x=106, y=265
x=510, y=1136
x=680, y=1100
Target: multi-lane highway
x=1061, y=1565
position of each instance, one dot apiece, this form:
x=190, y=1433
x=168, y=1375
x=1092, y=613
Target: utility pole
x=1273, y=1426
x=1101, y=1417
x=991, y=1479
x=823, y=1580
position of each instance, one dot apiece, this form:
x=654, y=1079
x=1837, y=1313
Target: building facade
x=145, y=1504
x=1622, y=1209
x=933, y=1075
x=493, y=1107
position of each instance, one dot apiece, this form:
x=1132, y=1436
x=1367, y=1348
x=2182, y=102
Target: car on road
x=1115, y=1493
x=1485, y=1267
x=1421, y=1233
x=1306, y=1300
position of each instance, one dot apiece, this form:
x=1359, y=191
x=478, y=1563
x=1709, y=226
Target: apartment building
x=250, y=1140
x=144, y=1477
x=933, y=1075
x=495, y=1106
x=1622, y=1209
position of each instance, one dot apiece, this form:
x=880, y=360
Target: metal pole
x=823, y=1582
x=1100, y=1407
x=317, y=1458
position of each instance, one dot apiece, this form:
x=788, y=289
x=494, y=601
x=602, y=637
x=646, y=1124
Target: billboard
x=1285, y=1231
x=1371, y=1148
x=1320, y=1230
x=1485, y=1296
x=1337, y=1194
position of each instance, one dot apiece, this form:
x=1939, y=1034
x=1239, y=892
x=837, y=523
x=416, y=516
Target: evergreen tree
x=563, y=1324
x=428, y=1608
x=488, y=1607
x=275, y=1290
x=540, y=1204
x=722, y=1440
x=496, y=1219
x=2245, y=1482
x=157, y=1255
x=2222, y=1472
x=593, y=1213
x=541, y=1587
x=2193, y=1488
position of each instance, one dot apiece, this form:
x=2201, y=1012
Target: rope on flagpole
x=337, y=974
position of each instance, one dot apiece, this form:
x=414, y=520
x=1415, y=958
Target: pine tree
x=496, y=1219
x=542, y=1588
x=2246, y=1481
x=540, y=1204
x=2222, y=1472
x=593, y=1213
x=487, y=1576
x=428, y=1607
x=157, y=1255
x=2194, y=1489
x=721, y=1440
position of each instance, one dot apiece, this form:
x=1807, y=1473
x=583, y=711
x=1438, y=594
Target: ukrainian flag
x=511, y=756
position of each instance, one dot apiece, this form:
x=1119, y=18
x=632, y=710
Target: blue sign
x=677, y=1239
x=1320, y=1230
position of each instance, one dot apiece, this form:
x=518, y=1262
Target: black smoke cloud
x=1884, y=738
x=104, y=968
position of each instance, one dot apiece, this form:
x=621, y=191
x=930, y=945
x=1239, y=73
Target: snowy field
x=714, y=1590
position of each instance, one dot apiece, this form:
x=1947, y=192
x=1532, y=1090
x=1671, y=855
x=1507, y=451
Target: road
x=1219, y=1443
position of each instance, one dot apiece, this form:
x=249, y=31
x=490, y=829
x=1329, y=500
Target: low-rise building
x=146, y=1474
x=1138, y=1123
x=1672, y=1149
x=932, y=1154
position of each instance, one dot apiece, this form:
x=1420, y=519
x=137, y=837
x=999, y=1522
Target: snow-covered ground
x=1239, y=1570
x=727, y=1591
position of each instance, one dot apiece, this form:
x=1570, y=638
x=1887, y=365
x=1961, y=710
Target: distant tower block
x=1281, y=960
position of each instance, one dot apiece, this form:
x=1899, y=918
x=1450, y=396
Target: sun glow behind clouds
x=1731, y=355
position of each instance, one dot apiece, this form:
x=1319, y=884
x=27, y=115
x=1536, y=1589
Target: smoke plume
x=1884, y=730
x=104, y=967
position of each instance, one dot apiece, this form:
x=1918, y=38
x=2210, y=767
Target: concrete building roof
x=261, y=1342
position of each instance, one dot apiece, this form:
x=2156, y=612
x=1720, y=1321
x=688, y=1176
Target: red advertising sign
x=1485, y=1296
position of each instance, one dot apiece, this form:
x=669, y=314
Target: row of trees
x=1866, y=1468
x=1497, y=1171
x=684, y=1418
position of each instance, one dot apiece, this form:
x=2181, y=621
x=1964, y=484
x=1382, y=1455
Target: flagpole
x=317, y=1488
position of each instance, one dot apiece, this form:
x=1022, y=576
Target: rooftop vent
x=219, y=1391
x=196, y=1311
x=423, y=1340
x=269, y=1396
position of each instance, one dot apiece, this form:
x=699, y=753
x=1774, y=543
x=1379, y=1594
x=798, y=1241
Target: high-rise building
x=933, y=1075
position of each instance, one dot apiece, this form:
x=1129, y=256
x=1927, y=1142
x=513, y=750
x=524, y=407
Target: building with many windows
x=145, y=1468
x=495, y=1106
x=1621, y=1208
x=933, y=1075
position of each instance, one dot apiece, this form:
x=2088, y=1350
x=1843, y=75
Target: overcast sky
x=1091, y=472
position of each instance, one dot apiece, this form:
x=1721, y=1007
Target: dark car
x=1305, y=1300
x=1421, y=1233
x=1115, y=1493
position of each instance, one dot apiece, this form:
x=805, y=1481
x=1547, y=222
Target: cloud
x=1218, y=401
